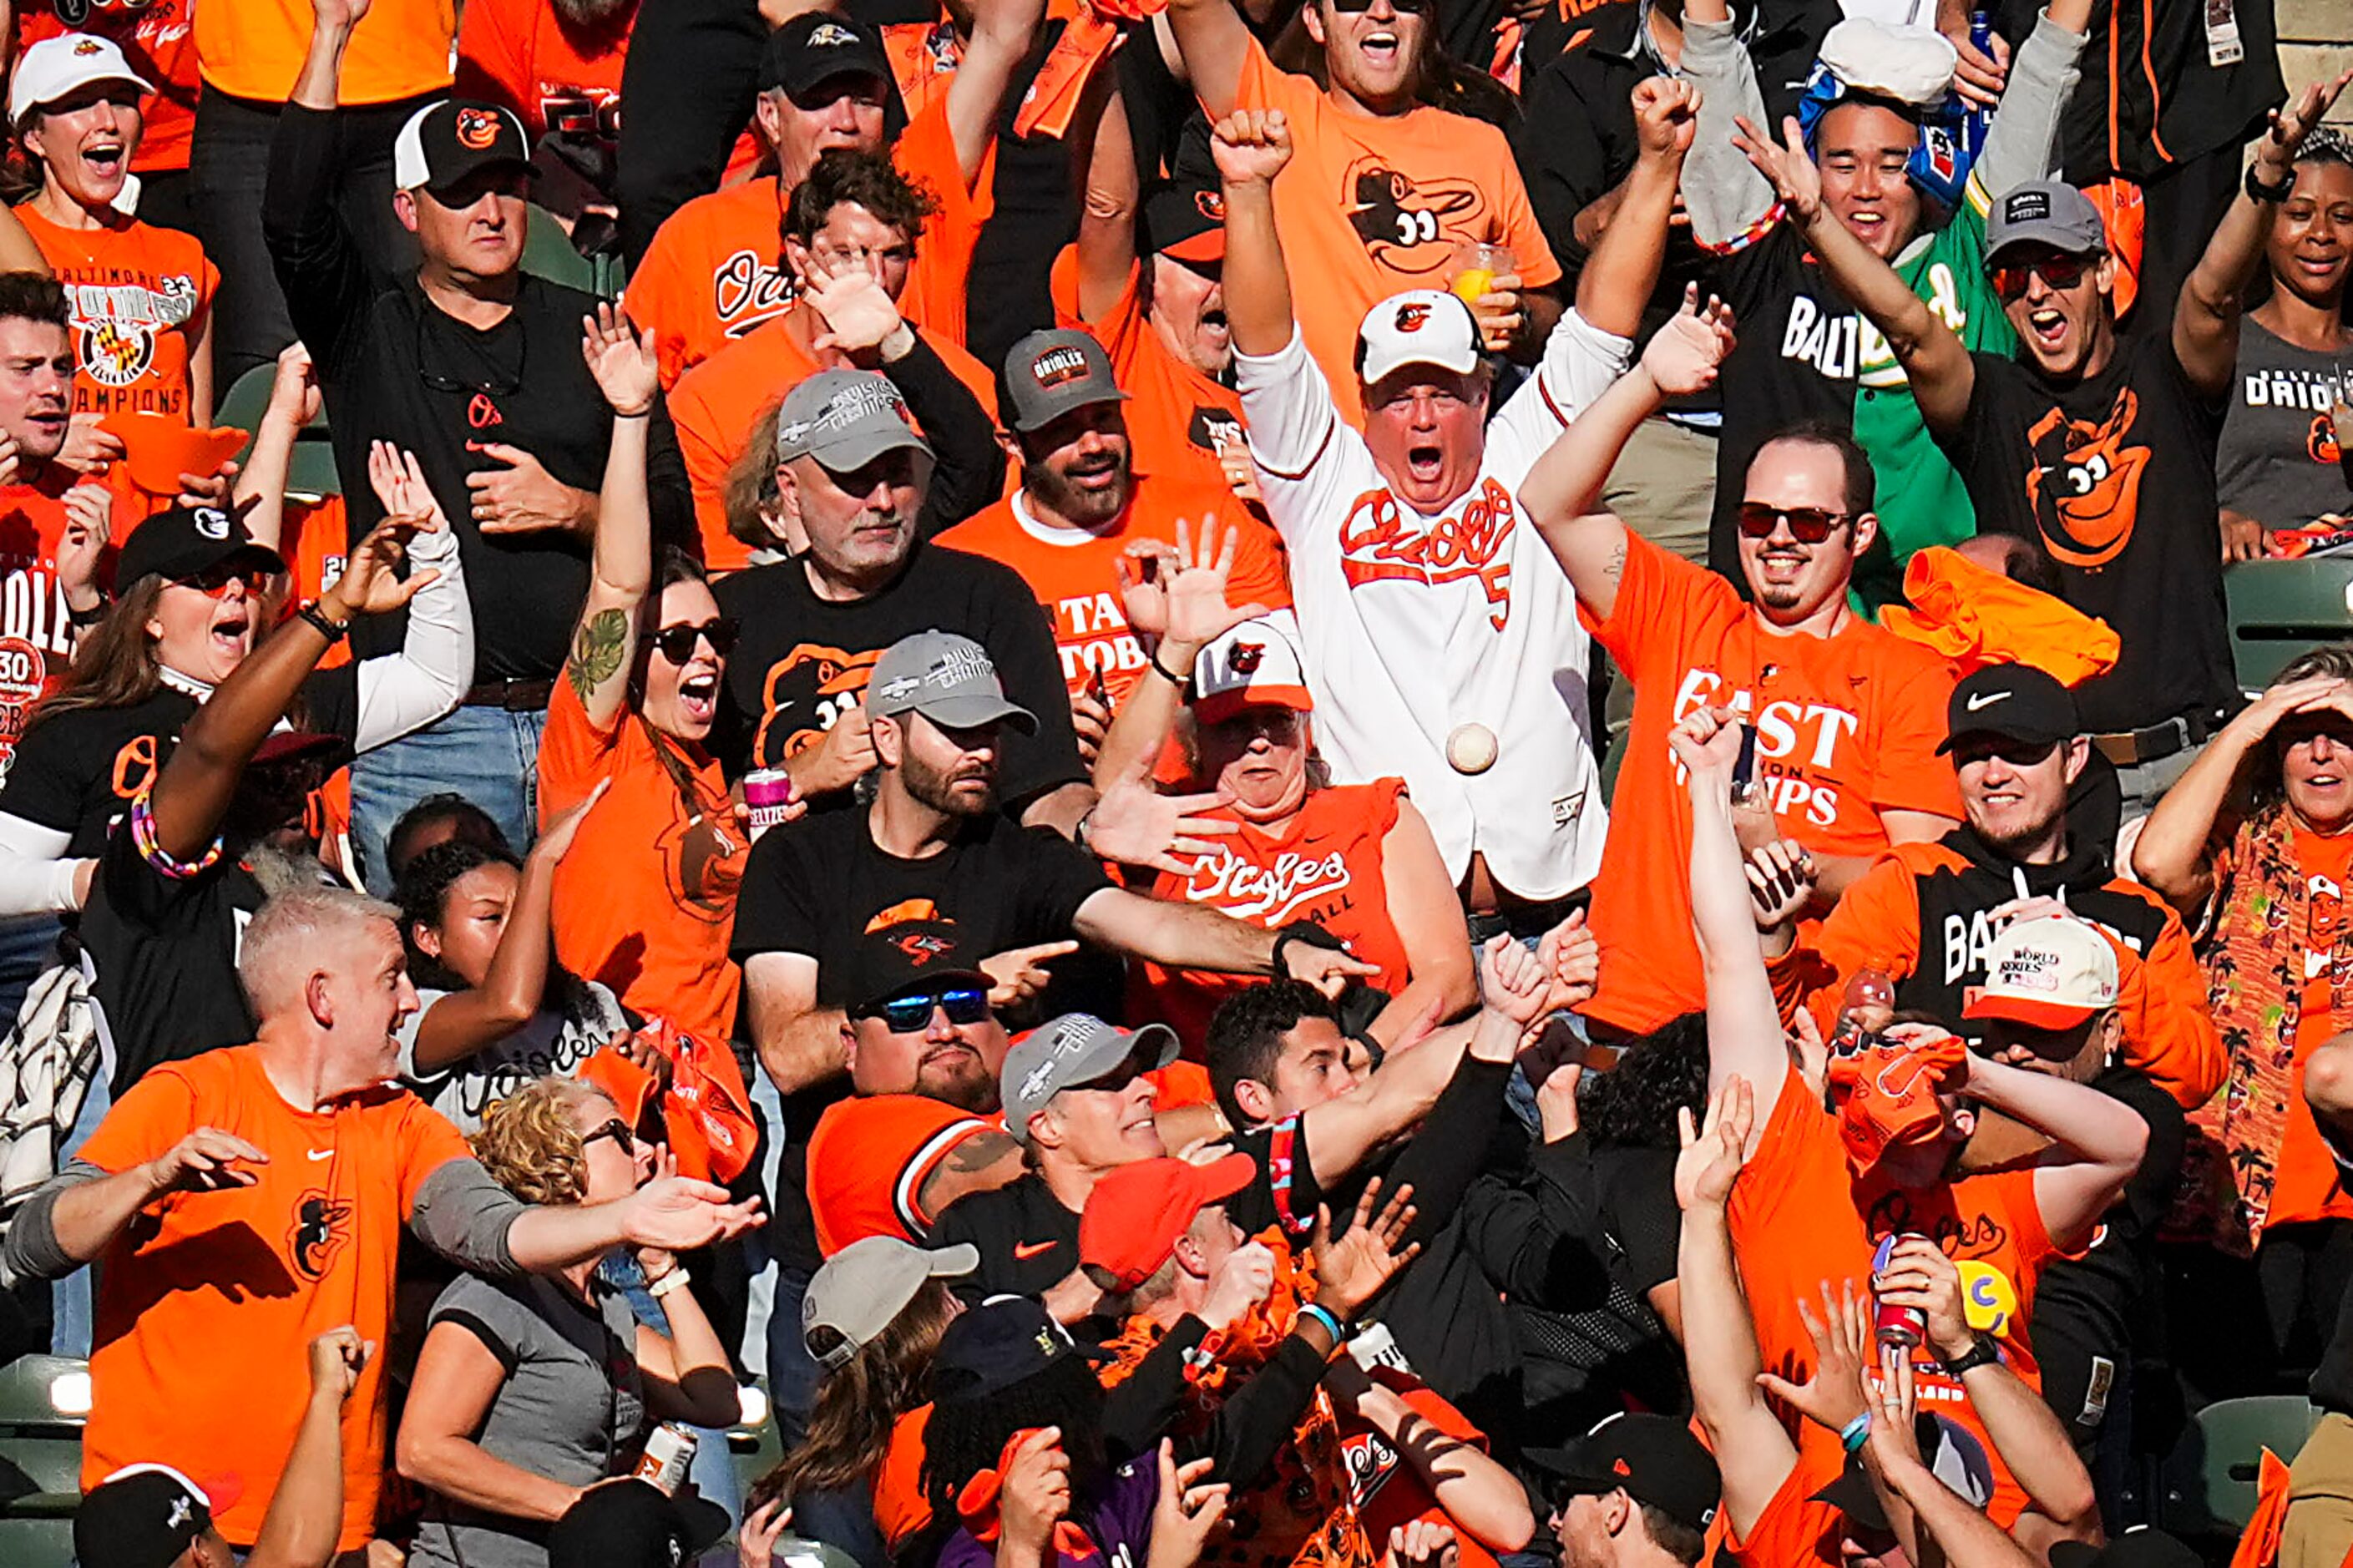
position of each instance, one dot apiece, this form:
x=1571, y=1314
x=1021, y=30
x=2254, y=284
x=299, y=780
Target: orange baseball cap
x=1136, y=1213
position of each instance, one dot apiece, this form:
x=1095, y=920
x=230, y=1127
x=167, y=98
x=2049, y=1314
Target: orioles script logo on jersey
x=2084, y=482
x=746, y=291
x=1409, y=227
x=1264, y=895
x=1381, y=541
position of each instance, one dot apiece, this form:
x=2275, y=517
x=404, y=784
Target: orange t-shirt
x=141, y=299
x=36, y=635
x=714, y=270
x=923, y=59
x=1074, y=572
x=2305, y=1183
x=1177, y=416
x=1371, y=207
x=207, y=1305
x=1325, y=867
x=1387, y=1491
x=715, y=403
x=1798, y=1217
x=1793, y=1530
x=899, y=1506
x=868, y=1158
x=254, y=49
x=1847, y=727
x=630, y=909
x=160, y=44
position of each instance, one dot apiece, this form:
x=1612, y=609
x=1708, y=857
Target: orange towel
x=1977, y=617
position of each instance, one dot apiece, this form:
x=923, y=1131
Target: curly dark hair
x=1633, y=1105
x=1245, y=1038
x=869, y=179
x=966, y=1437
x=423, y=894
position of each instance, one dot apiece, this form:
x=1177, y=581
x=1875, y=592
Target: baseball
x=1470, y=749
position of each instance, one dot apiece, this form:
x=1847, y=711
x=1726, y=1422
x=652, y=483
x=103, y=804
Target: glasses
x=505, y=383
x=1402, y=7
x=677, y=643
x=1807, y=524
x=214, y=580
x=905, y=1015
x=618, y=1131
x=2058, y=273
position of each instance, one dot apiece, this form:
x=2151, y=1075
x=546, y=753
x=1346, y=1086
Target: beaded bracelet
x=143, y=839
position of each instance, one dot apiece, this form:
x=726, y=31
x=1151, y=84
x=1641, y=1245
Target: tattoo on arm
x=1617, y=567
x=596, y=652
x=979, y=1151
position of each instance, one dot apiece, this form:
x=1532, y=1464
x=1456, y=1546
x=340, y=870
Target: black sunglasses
x=905, y=1015
x=505, y=383
x=2059, y=271
x=677, y=643
x=1402, y=7
x=618, y=1131
x=1807, y=524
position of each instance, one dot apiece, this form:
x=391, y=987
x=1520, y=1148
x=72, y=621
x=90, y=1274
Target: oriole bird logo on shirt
x=1410, y=227
x=320, y=1228
x=2084, y=482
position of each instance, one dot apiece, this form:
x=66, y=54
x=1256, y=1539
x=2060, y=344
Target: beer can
x=1905, y=1326
x=767, y=794
x=669, y=1451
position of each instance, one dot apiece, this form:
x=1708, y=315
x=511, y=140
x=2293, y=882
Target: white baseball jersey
x=1413, y=625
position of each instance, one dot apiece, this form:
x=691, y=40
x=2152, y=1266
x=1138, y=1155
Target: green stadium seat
x=42, y=1401
x=547, y=252
x=2280, y=608
x=2209, y=1478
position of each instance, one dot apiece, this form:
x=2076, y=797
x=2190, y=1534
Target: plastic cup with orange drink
x=1477, y=265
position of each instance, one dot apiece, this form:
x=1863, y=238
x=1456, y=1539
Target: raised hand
x=1571, y=956
x=1682, y=356
x=858, y=312
x=1780, y=882
x=1513, y=984
x=1707, y=744
x=337, y=1358
x=622, y=361
x=1134, y=825
x=1787, y=163
x=1035, y=1491
x=1979, y=76
x=1020, y=973
x=1351, y=1270
x=553, y=844
x=2275, y=150
x=1250, y=146
x=206, y=1161
x=679, y=1214
x=844, y=756
x=1712, y=1156
x=1245, y=1280
x=1179, y=595
x=294, y=396
x=1188, y=1511
x=1422, y=1543
x=756, y=1541
x=339, y=15
x=399, y=484
x=1838, y=1393
x=370, y=584
x=1666, y=116
x=89, y=523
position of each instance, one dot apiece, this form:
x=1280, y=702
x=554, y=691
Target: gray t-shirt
x=2277, y=462
x=551, y=1042
x=571, y=1409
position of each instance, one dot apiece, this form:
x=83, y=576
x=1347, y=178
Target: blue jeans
x=486, y=754
x=28, y=945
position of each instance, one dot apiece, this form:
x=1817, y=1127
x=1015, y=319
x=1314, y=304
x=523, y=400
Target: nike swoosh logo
x=1986, y=700
x=322, y=1153
x=1023, y=1251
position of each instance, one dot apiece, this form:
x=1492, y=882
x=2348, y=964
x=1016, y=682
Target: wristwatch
x=1984, y=1352
x=2274, y=195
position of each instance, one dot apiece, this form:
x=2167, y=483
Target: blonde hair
x=529, y=1144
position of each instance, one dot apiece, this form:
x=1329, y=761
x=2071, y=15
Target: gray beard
x=282, y=871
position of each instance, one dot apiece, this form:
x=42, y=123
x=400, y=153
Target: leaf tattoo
x=596, y=652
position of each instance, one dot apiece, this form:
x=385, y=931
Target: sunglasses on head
x=677, y=643
x=905, y=1015
x=1807, y=524
x=618, y=1131
x=2058, y=271
x=214, y=580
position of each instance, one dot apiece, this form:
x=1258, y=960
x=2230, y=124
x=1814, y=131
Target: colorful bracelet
x=1852, y=1436
x=1324, y=1315
x=143, y=839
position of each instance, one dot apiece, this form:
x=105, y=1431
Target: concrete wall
x=2316, y=41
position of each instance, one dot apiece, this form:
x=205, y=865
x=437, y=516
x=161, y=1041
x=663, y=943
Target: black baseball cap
x=1655, y=1458
x=1186, y=217
x=2015, y=702
x=991, y=1348
x=816, y=47
x=443, y=143
x=2137, y=1547
x=1952, y=1454
x=183, y=541
x=902, y=957
x=145, y=1516
x=633, y=1525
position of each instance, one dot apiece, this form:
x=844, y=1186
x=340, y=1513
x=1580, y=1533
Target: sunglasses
x=2057, y=272
x=677, y=643
x=214, y=580
x=1402, y=7
x=618, y=1131
x=905, y=1015
x=1807, y=524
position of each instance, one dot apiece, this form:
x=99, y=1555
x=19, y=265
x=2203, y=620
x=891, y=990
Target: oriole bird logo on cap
x=477, y=129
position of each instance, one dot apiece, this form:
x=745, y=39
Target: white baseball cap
x=2047, y=973
x=60, y=67
x=1910, y=64
x=1255, y=664
x=1421, y=326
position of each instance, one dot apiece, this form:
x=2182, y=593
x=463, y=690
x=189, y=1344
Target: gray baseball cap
x=947, y=678
x=2045, y=212
x=1048, y=374
x=1074, y=1049
x=845, y=419
x=867, y=1284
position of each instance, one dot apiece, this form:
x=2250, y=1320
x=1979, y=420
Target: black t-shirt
x=1027, y=1241
x=2097, y=1298
x=804, y=660
x=75, y=774
x=814, y=886
x=2114, y=475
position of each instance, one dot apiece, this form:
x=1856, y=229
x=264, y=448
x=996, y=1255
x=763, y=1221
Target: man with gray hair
x=246, y=1200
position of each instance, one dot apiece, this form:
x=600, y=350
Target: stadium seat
x=2209, y=1478
x=547, y=252
x=42, y=1401
x=2280, y=608
x=313, y=473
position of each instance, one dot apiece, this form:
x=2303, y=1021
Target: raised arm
x=1562, y=492
x=428, y=675
x=1110, y=195
x=1724, y=195
x=2023, y=143
x=2100, y=1141
x=798, y=1043
x=1623, y=272
x=1250, y=148
x=1214, y=44
x=1003, y=33
x=306, y=1512
x=1935, y=361
x=260, y=492
x=1744, y=1022
x=2206, y=317
x=621, y=575
x=1177, y=598
x=319, y=266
